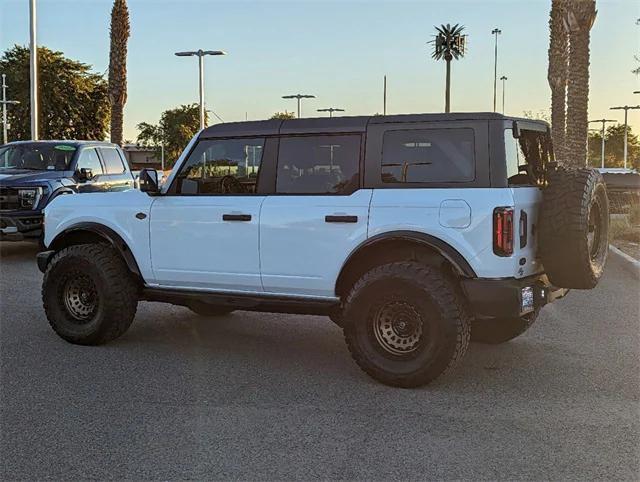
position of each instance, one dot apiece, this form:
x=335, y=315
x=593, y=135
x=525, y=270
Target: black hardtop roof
x=339, y=124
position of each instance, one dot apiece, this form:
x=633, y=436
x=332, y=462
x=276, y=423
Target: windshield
x=37, y=156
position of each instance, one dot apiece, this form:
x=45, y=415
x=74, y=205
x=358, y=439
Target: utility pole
x=496, y=32
x=5, y=102
x=626, y=109
x=201, y=54
x=504, y=79
x=384, y=97
x=331, y=110
x=604, y=122
x=33, y=70
x=299, y=97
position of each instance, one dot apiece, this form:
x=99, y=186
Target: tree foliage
x=73, y=100
x=175, y=129
x=284, y=115
x=614, y=148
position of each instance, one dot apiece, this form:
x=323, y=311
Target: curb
x=631, y=264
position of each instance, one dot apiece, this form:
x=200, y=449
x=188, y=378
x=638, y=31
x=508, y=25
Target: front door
x=204, y=231
x=89, y=159
x=317, y=216
x=117, y=177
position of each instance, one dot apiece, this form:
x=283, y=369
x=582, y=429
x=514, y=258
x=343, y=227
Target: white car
x=414, y=233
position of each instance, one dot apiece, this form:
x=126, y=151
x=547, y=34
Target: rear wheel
x=501, y=330
x=89, y=295
x=405, y=324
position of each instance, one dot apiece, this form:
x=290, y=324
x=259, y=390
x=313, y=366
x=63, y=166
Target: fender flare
x=443, y=248
x=104, y=232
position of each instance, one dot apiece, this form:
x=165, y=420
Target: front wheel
x=405, y=324
x=89, y=295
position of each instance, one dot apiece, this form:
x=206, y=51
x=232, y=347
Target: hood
x=10, y=177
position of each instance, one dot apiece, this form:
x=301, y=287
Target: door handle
x=523, y=229
x=340, y=219
x=236, y=217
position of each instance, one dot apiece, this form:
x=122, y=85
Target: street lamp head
x=299, y=96
x=504, y=77
x=198, y=53
x=496, y=31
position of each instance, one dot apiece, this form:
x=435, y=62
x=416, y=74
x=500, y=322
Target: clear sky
x=338, y=50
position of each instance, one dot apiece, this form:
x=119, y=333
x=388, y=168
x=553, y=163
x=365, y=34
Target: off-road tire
x=495, y=331
x=114, y=291
x=422, y=290
x=206, y=309
x=575, y=210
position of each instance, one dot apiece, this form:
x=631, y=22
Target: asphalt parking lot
x=262, y=396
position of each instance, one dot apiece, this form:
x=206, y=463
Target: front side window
x=221, y=166
x=428, y=156
x=318, y=164
x=112, y=160
x=89, y=160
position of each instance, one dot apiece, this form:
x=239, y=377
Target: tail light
x=503, y=231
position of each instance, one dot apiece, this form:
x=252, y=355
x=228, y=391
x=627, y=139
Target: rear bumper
x=510, y=297
x=20, y=227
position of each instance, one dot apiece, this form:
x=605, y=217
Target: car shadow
x=18, y=251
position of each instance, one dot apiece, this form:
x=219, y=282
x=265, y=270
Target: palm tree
x=579, y=17
x=557, y=75
x=120, y=30
x=449, y=44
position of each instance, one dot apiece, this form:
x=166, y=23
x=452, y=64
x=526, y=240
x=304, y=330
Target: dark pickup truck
x=33, y=173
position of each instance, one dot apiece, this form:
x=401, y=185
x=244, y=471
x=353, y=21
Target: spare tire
x=574, y=227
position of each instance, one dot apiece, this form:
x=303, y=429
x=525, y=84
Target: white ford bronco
x=414, y=233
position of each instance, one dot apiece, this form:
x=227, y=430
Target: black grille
x=9, y=198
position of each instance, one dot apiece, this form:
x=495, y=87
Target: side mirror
x=85, y=174
x=148, y=181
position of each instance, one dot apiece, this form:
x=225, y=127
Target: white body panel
x=527, y=200
x=193, y=247
x=300, y=252
x=115, y=210
x=432, y=211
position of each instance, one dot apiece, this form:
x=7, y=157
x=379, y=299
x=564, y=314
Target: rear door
x=317, y=216
x=117, y=177
x=522, y=157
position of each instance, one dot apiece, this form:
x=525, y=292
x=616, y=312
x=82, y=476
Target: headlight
x=29, y=198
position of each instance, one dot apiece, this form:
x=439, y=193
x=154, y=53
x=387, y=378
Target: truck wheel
x=501, y=330
x=405, y=324
x=89, y=295
x=574, y=228
x=206, y=309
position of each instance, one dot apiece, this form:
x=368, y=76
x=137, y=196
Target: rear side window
x=318, y=164
x=428, y=155
x=112, y=161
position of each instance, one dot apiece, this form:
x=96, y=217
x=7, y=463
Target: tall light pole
x=299, y=97
x=626, y=109
x=331, y=110
x=33, y=70
x=504, y=79
x=4, y=103
x=496, y=32
x=201, y=54
x=604, y=122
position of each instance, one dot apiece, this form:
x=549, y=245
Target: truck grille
x=9, y=199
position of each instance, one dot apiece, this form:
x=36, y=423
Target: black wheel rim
x=80, y=297
x=398, y=328
x=594, y=233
